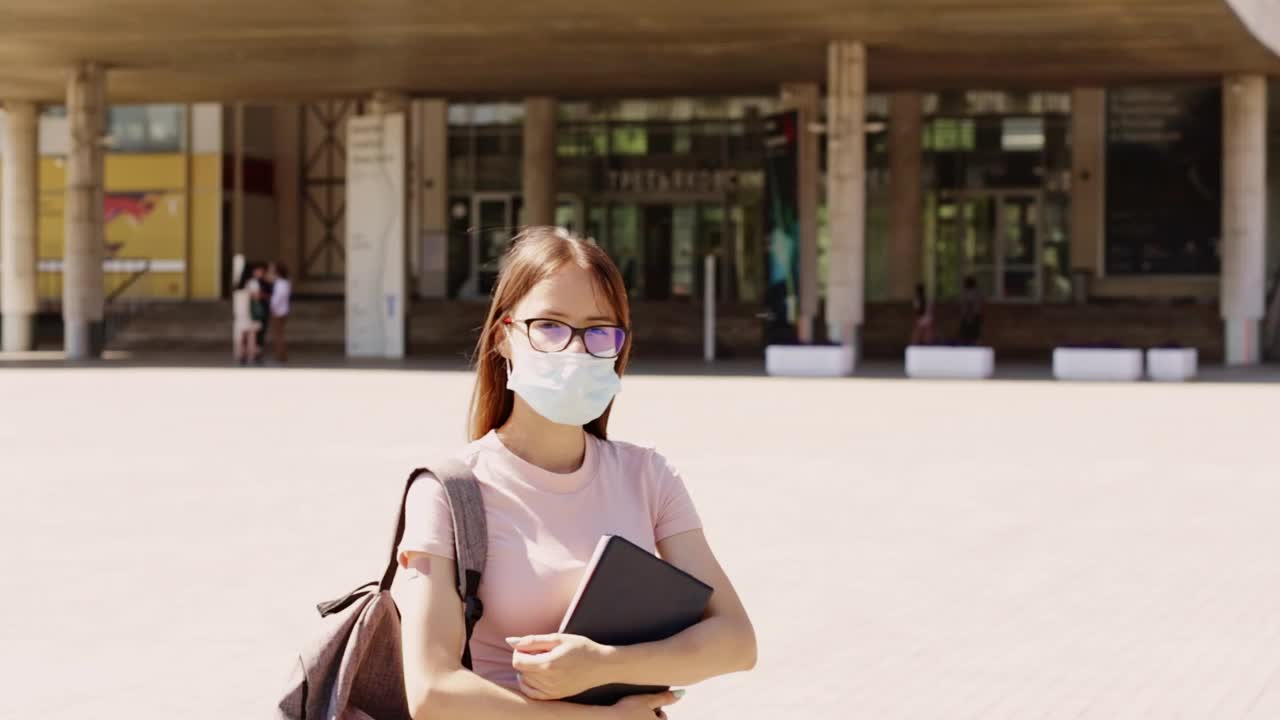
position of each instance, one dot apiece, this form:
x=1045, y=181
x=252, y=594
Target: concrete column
x=83, y=293
x=906, y=192
x=19, y=164
x=433, y=276
x=804, y=98
x=846, y=189
x=539, y=176
x=1244, y=215
x=288, y=190
x=238, y=244
x=1088, y=177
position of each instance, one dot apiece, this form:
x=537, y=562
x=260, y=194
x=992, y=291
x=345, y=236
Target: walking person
x=281, y=290
x=548, y=365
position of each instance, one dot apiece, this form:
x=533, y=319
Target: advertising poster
x=781, y=226
x=375, y=241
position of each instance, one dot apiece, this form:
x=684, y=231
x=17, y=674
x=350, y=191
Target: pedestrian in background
x=281, y=290
x=261, y=309
x=244, y=328
x=258, y=307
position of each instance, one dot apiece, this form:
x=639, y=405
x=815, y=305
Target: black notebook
x=627, y=596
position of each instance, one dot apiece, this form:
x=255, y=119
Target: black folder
x=627, y=596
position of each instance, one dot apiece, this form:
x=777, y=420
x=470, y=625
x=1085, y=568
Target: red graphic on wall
x=136, y=206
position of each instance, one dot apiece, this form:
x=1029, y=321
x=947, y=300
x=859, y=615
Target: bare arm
x=439, y=688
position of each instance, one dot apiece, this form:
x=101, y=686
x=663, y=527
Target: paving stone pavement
x=1015, y=549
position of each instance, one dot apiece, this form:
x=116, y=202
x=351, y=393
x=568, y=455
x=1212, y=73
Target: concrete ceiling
x=266, y=49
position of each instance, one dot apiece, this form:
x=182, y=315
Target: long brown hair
x=536, y=253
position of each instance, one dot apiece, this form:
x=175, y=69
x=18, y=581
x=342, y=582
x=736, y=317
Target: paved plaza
x=937, y=550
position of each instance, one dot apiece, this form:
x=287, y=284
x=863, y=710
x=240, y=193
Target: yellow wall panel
x=150, y=215
x=206, y=226
x=142, y=173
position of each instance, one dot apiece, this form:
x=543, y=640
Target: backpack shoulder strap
x=470, y=537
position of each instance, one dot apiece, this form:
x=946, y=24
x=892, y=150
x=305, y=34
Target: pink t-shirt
x=543, y=528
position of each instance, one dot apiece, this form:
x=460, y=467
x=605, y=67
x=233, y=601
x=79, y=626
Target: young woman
x=244, y=327
x=551, y=353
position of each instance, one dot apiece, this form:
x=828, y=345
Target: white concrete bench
x=1172, y=364
x=809, y=360
x=941, y=361
x=1107, y=364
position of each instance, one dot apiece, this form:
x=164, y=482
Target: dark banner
x=781, y=226
x=1164, y=180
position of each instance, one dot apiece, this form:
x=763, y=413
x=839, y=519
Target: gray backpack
x=353, y=668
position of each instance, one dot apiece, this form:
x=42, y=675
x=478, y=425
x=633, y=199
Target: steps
x=674, y=328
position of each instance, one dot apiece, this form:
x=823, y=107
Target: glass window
x=1022, y=134
x=1056, y=254
x=624, y=245
x=147, y=128
x=684, y=221
x=748, y=252
x=573, y=141
x=498, y=114
x=950, y=134
x=629, y=140
x=711, y=229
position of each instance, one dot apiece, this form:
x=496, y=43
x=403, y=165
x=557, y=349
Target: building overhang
x=169, y=50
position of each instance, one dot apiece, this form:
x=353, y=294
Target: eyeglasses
x=552, y=336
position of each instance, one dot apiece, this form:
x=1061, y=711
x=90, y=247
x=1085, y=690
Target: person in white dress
x=244, y=327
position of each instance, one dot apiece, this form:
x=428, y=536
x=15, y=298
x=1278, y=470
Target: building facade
x=1061, y=156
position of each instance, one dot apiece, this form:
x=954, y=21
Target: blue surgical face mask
x=564, y=387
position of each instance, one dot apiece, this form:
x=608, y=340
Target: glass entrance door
x=659, y=246
x=1018, y=239
x=493, y=217
x=993, y=236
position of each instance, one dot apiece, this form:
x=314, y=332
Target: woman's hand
x=644, y=707
x=551, y=667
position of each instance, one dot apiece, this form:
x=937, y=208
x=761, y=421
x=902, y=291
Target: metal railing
x=124, y=278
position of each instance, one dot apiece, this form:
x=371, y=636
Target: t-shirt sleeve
x=428, y=527
x=674, y=512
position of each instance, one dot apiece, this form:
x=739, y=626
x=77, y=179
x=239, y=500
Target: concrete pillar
x=19, y=164
x=539, y=176
x=433, y=275
x=906, y=193
x=846, y=189
x=83, y=292
x=1088, y=178
x=804, y=98
x=288, y=187
x=238, y=244
x=1244, y=215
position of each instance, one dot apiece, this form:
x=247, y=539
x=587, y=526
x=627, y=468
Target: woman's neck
x=536, y=440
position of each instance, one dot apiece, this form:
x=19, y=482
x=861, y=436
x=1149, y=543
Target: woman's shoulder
x=635, y=456
x=430, y=492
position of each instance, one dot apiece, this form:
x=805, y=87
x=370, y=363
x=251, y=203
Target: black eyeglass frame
x=574, y=332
